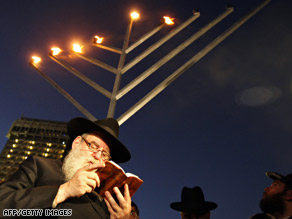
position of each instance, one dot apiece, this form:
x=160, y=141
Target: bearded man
x=72, y=185
x=276, y=202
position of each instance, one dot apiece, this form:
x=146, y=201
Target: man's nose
x=266, y=189
x=98, y=155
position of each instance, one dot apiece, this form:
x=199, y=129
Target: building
x=29, y=136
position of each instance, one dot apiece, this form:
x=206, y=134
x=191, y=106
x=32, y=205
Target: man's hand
x=121, y=210
x=85, y=180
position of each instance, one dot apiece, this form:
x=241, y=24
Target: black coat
x=35, y=184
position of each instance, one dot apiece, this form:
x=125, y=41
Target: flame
x=36, y=59
x=56, y=51
x=77, y=48
x=135, y=15
x=168, y=20
x=98, y=39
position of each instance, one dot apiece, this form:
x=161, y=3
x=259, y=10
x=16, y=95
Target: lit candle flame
x=36, y=59
x=56, y=51
x=135, y=15
x=98, y=39
x=77, y=48
x=168, y=20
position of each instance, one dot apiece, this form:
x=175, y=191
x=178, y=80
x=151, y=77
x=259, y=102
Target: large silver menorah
x=117, y=92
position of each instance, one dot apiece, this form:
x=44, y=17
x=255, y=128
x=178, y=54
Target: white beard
x=75, y=160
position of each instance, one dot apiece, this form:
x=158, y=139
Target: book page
x=131, y=174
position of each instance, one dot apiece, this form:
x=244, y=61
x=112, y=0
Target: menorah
x=117, y=92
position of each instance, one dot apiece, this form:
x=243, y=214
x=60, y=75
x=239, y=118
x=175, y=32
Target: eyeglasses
x=96, y=148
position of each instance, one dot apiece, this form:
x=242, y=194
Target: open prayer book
x=112, y=175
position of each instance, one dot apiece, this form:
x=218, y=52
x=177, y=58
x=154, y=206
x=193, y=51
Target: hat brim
x=287, y=180
x=274, y=176
x=118, y=150
x=195, y=208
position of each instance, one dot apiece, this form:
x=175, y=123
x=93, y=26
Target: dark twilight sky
x=221, y=125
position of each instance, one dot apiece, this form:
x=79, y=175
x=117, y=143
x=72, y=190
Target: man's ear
x=76, y=142
x=288, y=195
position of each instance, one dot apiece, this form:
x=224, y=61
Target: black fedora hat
x=193, y=201
x=108, y=130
